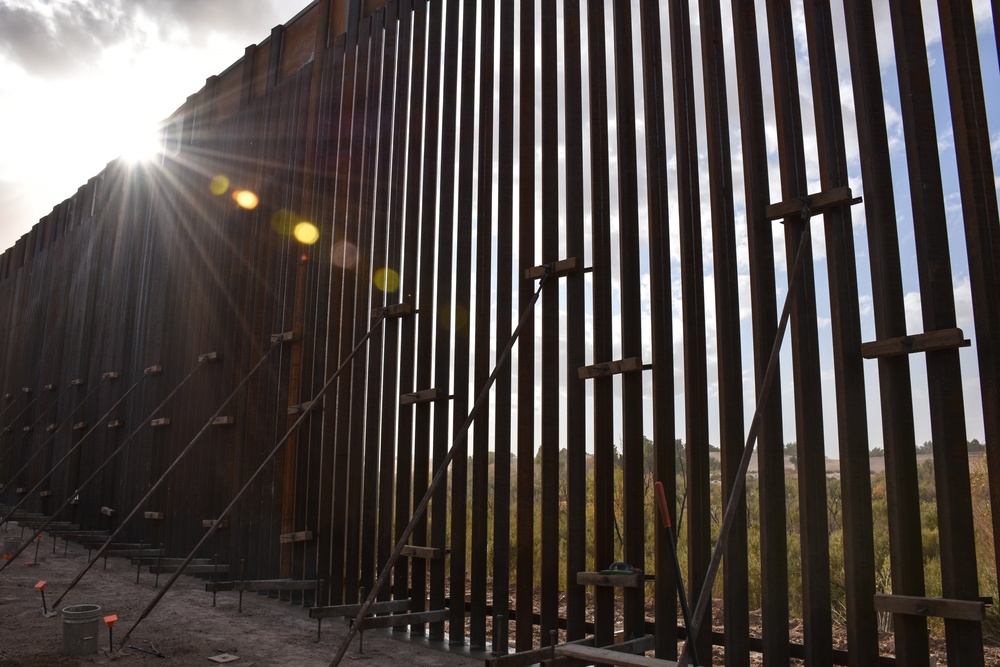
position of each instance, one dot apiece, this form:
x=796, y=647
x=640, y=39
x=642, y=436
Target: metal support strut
x=739, y=484
x=59, y=463
x=267, y=460
x=440, y=475
x=149, y=494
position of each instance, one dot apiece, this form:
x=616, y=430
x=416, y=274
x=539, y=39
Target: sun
x=141, y=142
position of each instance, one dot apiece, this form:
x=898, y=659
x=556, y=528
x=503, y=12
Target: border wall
x=447, y=152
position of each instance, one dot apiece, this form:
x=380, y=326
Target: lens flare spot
x=246, y=199
x=219, y=185
x=284, y=222
x=345, y=255
x=306, y=233
x=460, y=316
x=387, y=280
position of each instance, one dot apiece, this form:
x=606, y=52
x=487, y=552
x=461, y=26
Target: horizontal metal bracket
x=162, y=421
x=115, y=423
x=299, y=408
x=346, y=610
x=617, y=654
x=79, y=426
x=211, y=523
x=22, y=489
x=155, y=516
x=430, y=553
x=963, y=610
x=629, y=580
x=629, y=365
x=286, y=337
x=50, y=428
x=563, y=267
x=301, y=536
x=45, y=494
x=397, y=620
x=223, y=421
x=76, y=382
x=153, y=370
x=395, y=310
x=423, y=396
x=815, y=204
x=8, y=395
x=209, y=356
x=945, y=339
x=26, y=390
x=26, y=429
x=110, y=375
x=49, y=387
x=107, y=511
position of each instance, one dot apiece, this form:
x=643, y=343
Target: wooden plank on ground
x=117, y=546
x=398, y=620
x=190, y=569
x=350, y=610
x=607, y=656
x=156, y=560
x=262, y=585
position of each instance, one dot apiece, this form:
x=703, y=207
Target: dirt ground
x=183, y=627
x=186, y=629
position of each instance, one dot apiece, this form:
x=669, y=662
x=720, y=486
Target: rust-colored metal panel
x=603, y=350
x=887, y=291
x=813, y=533
x=379, y=140
x=852, y=423
x=525, y=566
x=550, y=380
x=503, y=462
x=260, y=59
x=298, y=44
x=693, y=310
x=227, y=92
x=479, y=532
x=576, y=395
x=408, y=210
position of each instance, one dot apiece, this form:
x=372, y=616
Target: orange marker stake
x=110, y=620
x=37, y=544
x=661, y=501
x=41, y=587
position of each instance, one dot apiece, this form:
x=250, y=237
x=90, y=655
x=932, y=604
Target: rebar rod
x=113, y=454
x=59, y=463
x=4, y=411
x=52, y=436
x=439, y=476
x=739, y=484
x=26, y=408
x=135, y=510
x=40, y=417
x=263, y=465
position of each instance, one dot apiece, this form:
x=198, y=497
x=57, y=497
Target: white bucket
x=80, y=629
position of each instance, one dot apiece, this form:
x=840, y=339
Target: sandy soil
x=187, y=630
x=183, y=627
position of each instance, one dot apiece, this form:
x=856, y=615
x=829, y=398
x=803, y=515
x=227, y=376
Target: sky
x=84, y=81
